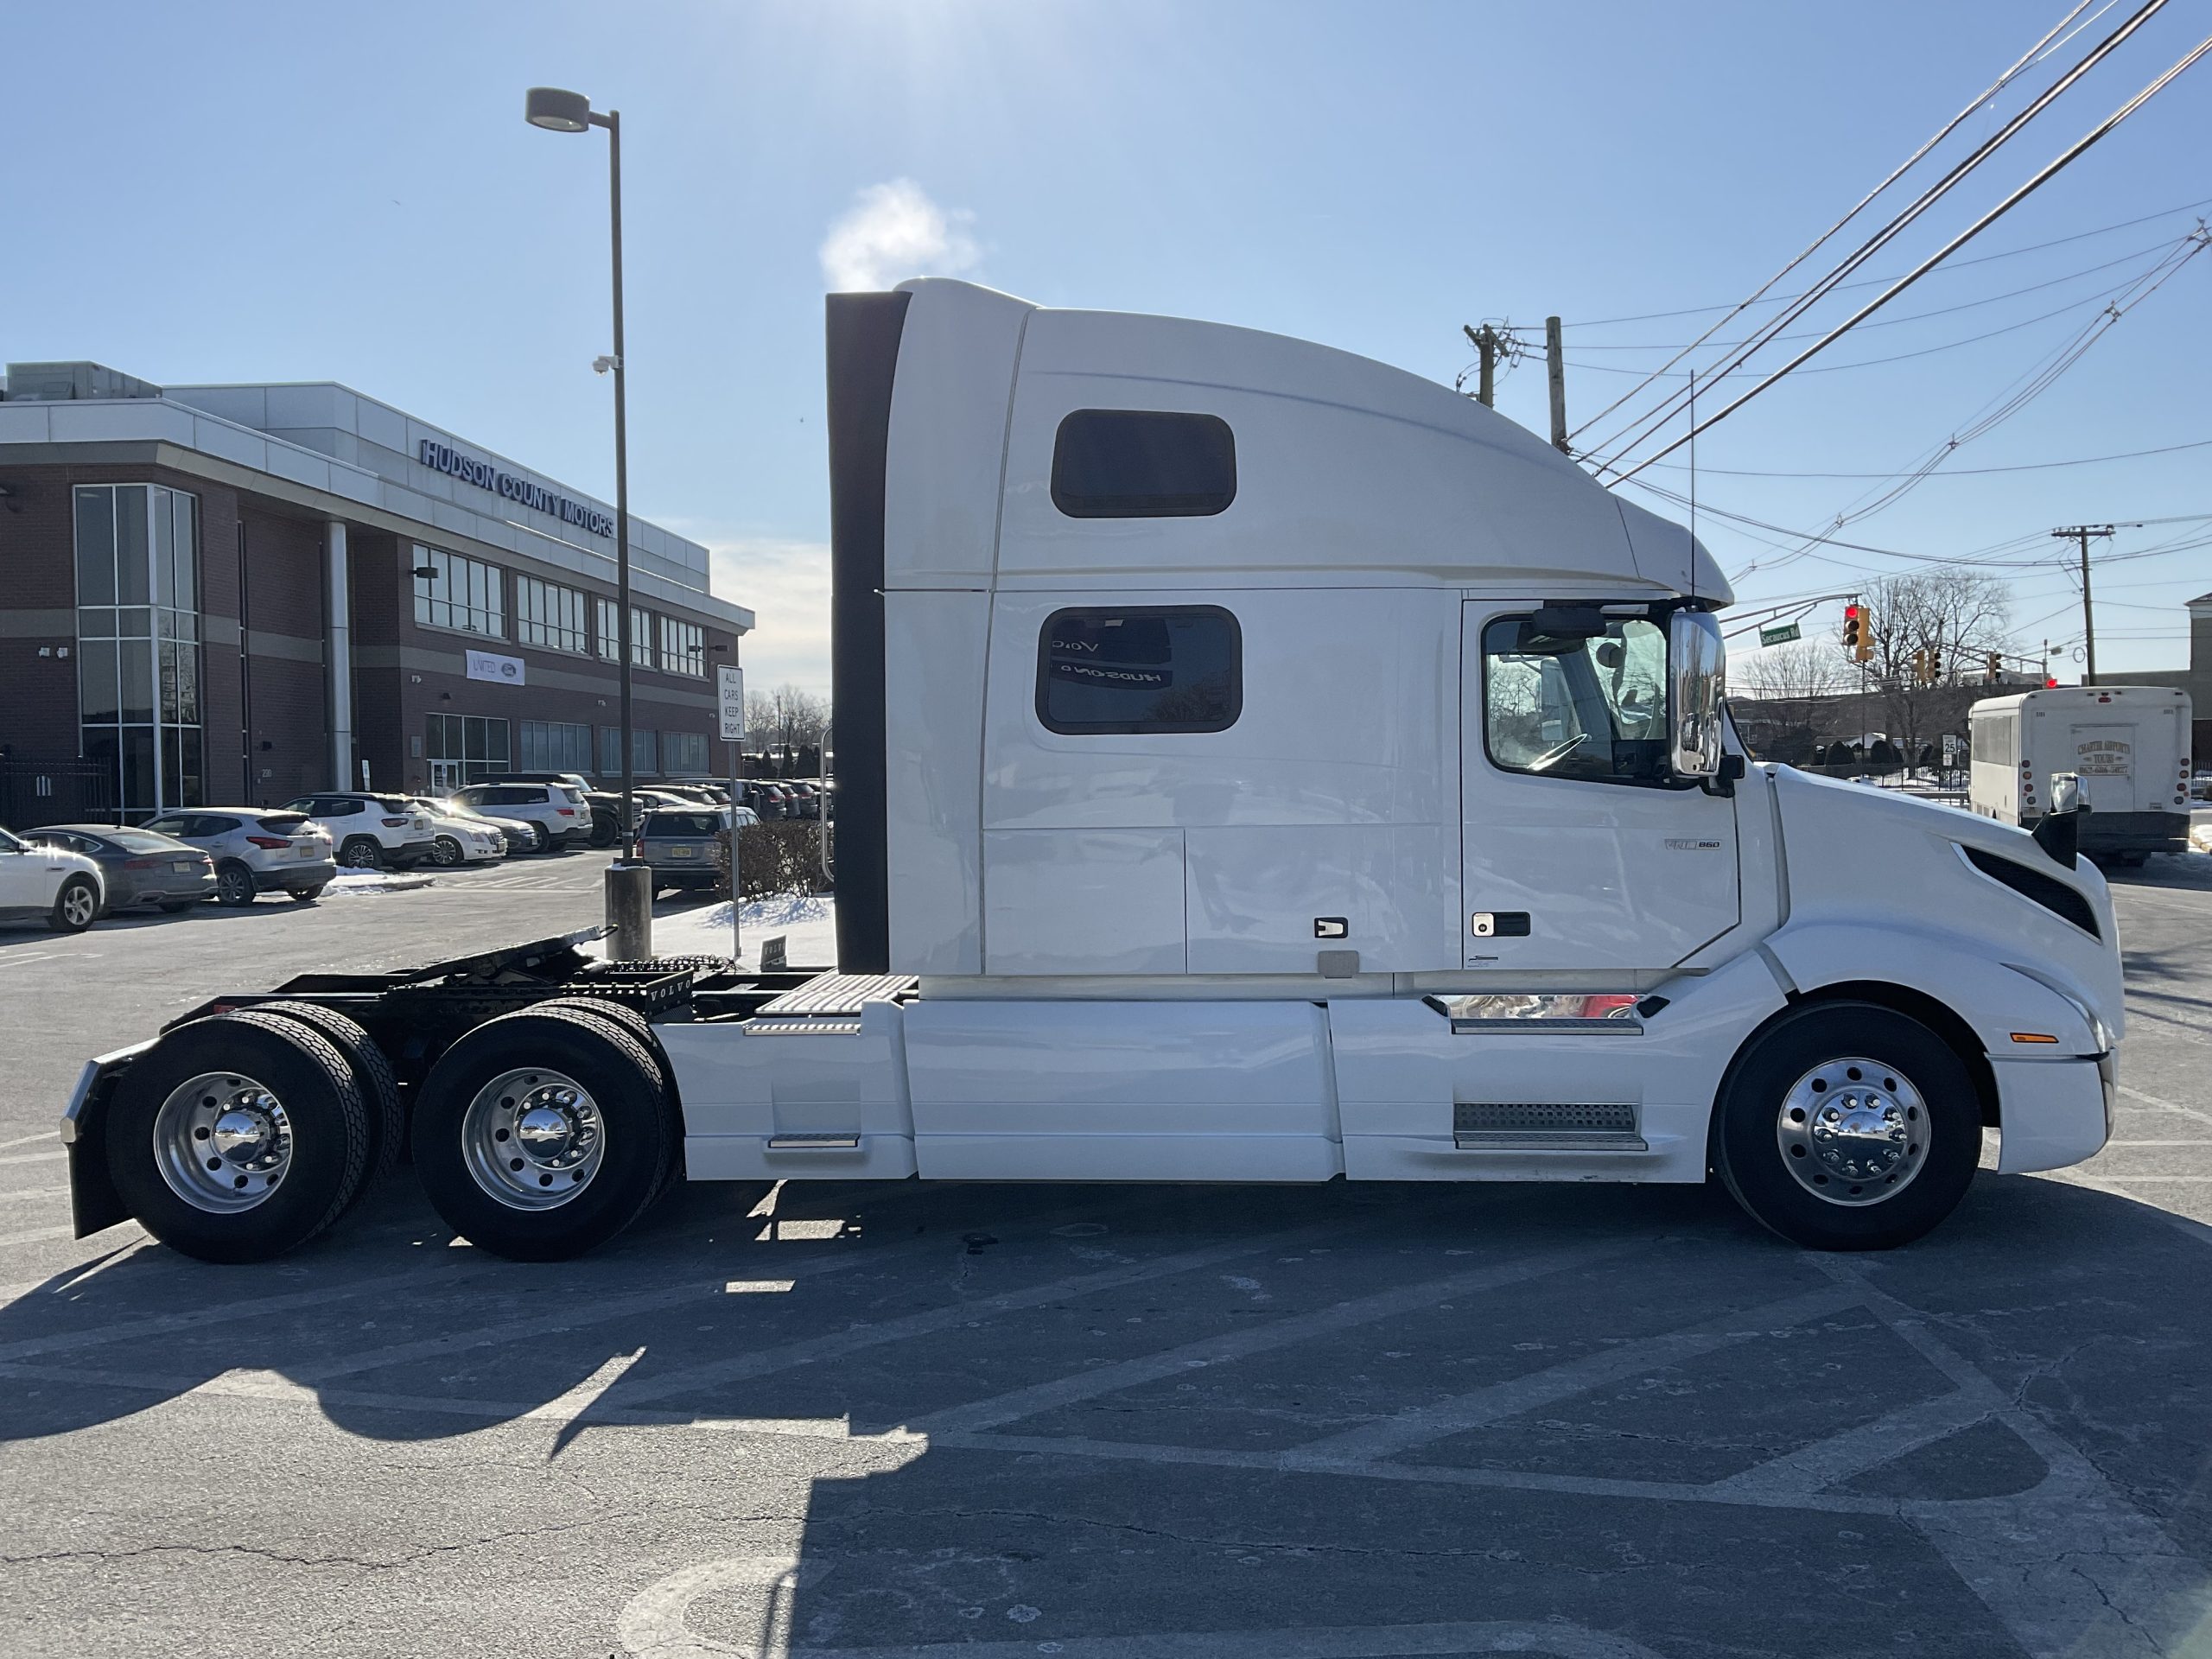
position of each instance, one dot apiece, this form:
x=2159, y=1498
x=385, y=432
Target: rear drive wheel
x=640, y=1030
x=234, y=884
x=373, y=1077
x=361, y=853
x=446, y=852
x=1849, y=1126
x=237, y=1137
x=76, y=907
x=544, y=1134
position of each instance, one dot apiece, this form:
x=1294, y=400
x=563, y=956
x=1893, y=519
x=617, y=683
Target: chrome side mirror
x=2065, y=791
x=1696, y=674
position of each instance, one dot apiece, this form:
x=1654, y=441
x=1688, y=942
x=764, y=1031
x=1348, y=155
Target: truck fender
x=1990, y=998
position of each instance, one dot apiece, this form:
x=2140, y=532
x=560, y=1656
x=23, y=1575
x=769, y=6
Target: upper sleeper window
x=1151, y=669
x=1138, y=463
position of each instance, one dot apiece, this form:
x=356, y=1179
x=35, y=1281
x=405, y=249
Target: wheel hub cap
x=533, y=1140
x=1853, y=1131
x=222, y=1141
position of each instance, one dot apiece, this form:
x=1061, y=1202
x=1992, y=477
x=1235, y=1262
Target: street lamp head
x=556, y=110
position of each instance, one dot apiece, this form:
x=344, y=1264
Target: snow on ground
x=807, y=921
x=353, y=880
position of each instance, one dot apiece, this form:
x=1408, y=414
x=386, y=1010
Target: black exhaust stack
x=863, y=356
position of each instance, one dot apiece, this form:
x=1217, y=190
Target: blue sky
x=243, y=191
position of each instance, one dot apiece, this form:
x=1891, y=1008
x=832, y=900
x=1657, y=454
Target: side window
x=1137, y=463
x=176, y=824
x=1145, y=669
x=1593, y=709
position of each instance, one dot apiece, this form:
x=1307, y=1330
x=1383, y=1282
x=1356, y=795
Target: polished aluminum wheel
x=222, y=1141
x=1853, y=1131
x=80, y=905
x=533, y=1140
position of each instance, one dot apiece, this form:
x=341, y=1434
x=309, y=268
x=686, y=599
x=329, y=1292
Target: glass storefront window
x=138, y=667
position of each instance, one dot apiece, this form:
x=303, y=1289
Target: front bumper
x=2053, y=1113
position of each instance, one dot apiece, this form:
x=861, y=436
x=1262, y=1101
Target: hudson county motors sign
x=444, y=458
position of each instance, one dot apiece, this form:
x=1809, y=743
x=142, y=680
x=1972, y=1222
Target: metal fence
x=35, y=792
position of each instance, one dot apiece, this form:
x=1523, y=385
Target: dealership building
x=233, y=595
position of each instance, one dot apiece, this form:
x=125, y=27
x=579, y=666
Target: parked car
x=806, y=797
x=455, y=840
x=64, y=887
x=559, y=809
x=137, y=866
x=606, y=805
x=520, y=835
x=681, y=845
x=257, y=850
x=770, y=799
x=374, y=832
x=716, y=790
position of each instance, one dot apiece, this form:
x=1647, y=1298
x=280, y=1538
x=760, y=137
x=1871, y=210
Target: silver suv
x=559, y=810
x=256, y=851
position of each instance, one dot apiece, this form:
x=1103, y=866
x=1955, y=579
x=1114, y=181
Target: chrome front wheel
x=1853, y=1131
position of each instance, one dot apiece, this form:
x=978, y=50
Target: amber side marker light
x=2033, y=1037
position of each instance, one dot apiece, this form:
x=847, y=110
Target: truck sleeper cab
x=1258, y=763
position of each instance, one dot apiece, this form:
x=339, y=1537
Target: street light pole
x=629, y=884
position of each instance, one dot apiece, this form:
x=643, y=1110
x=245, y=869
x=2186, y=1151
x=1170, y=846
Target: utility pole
x=1555, y=365
x=1486, y=342
x=2084, y=534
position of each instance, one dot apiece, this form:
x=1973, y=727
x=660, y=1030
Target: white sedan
x=456, y=841
x=65, y=889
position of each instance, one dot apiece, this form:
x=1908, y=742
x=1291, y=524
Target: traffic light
x=1993, y=668
x=1935, y=664
x=1920, y=675
x=1855, y=639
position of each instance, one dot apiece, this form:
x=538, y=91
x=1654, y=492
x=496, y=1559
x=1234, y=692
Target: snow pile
x=353, y=880
x=806, y=921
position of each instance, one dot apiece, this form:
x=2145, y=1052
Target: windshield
x=1590, y=709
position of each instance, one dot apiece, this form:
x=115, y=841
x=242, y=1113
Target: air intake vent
x=2051, y=893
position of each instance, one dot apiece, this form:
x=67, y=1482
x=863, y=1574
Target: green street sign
x=1781, y=635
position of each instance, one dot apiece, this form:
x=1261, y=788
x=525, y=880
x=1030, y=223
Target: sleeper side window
x=1594, y=710
x=1141, y=463
x=1167, y=668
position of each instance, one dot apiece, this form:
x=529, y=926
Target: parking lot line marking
x=156, y=1324
x=1854, y=1451
x=1280, y=1333
x=18, y=962
x=833, y=1345
x=37, y=1235
x=34, y=1157
x=25, y=1140
x=1425, y=1425
x=29, y=1195
x=2142, y=1099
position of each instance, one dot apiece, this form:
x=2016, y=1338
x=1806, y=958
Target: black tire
x=445, y=853
x=605, y=832
x=621, y=1077
x=329, y=1129
x=639, y=1030
x=1747, y=1146
x=373, y=1077
x=76, y=907
x=234, y=886
x=307, y=896
x=361, y=853
x=177, y=906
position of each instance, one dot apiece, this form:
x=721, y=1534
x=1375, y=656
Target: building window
x=1594, y=710
x=454, y=591
x=463, y=748
x=1138, y=463
x=645, y=761
x=684, y=753
x=554, y=746
x=610, y=630
x=641, y=637
x=138, y=664
x=682, y=648
x=548, y=615
x=1151, y=669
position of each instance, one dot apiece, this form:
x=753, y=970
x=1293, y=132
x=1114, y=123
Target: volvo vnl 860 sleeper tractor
x=1256, y=763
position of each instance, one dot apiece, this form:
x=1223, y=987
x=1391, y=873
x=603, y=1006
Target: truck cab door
x=1580, y=852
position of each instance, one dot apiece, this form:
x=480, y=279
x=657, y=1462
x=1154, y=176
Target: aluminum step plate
x=833, y=995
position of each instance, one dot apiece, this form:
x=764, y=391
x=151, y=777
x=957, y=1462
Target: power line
x=1620, y=442
x=2050, y=171
x=1957, y=472
x=1877, y=281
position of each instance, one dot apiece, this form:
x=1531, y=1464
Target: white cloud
x=893, y=231
x=786, y=585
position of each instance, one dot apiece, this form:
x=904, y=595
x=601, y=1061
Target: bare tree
x=1793, y=673
x=1939, y=623
x=783, y=722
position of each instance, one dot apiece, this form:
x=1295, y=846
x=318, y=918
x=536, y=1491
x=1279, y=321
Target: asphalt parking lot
x=1158, y=1423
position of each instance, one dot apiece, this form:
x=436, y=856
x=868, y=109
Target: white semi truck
x=2128, y=745
x=1256, y=763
